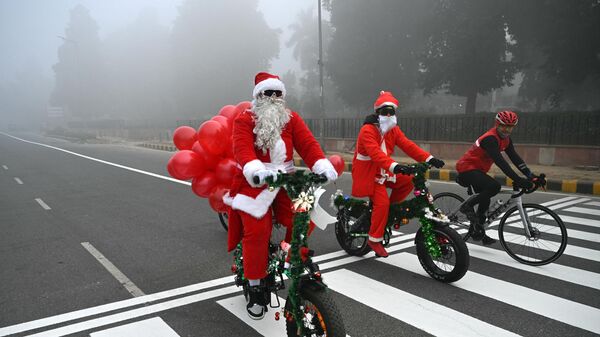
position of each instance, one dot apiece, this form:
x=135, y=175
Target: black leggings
x=485, y=187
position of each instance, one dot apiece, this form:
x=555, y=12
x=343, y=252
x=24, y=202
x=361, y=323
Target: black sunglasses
x=269, y=93
x=386, y=111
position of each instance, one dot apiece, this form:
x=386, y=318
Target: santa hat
x=385, y=99
x=265, y=81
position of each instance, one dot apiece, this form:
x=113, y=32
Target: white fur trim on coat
x=322, y=165
x=268, y=84
x=278, y=153
x=251, y=168
x=256, y=207
x=385, y=104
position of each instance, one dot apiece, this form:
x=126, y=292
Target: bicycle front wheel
x=224, y=218
x=322, y=317
x=545, y=243
x=449, y=203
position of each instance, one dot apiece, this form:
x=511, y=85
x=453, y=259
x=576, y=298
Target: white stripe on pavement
x=5, y=167
x=553, y=270
x=42, y=203
x=113, y=270
x=131, y=314
x=428, y=316
x=104, y=161
x=152, y=327
x=554, y=307
x=583, y=210
x=533, y=212
x=576, y=220
x=571, y=233
x=267, y=326
x=593, y=203
x=19, y=181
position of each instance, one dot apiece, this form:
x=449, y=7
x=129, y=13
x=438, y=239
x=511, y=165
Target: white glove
x=331, y=175
x=263, y=174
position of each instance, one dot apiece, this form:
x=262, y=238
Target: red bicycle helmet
x=507, y=117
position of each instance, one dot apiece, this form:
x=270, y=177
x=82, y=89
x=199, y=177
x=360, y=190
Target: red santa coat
x=256, y=200
x=372, y=157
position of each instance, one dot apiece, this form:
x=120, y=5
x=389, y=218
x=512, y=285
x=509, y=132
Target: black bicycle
x=530, y=233
x=440, y=249
x=310, y=309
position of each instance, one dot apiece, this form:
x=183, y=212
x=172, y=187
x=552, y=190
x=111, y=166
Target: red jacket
x=476, y=158
x=372, y=157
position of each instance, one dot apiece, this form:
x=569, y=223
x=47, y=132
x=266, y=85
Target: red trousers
x=381, y=203
x=257, y=232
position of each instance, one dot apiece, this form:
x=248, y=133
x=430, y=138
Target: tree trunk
x=471, y=100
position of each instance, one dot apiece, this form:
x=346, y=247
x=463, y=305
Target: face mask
x=386, y=123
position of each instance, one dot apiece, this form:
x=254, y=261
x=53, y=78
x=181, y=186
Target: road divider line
x=154, y=326
x=43, y=204
x=5, y=167
x=19, y=181
x=104, y=161
x=113, y=270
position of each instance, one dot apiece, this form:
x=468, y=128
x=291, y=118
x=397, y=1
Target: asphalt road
x=96, y=240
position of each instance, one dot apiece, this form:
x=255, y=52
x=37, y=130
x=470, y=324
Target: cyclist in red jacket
x=476, y=162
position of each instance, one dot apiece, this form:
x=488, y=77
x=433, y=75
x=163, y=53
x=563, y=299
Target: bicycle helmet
x=506, y=117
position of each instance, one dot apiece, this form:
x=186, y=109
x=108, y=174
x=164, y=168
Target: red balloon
x=184, y=137
x=204, y=185
x=213, y=137
x=338, y=163
x=210, y=160
x=216, y=199
x=185, y=165
x=225, y=171
x=227, y=111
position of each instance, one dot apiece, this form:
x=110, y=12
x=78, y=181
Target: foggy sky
x=29, y=29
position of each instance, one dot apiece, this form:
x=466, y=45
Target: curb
x=565, y=185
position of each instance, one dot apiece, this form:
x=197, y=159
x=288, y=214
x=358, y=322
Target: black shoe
x=257, y=302
x=476, y=233
x=486, y=240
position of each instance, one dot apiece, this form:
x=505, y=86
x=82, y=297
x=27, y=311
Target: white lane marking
x=531, y=212
x=414, y=310
x=553, y=270
x=152, y=327
x=43, y=204
x=554, y=307
x=593, y=203
x=5, y=167
x=131, y=314
x=101, y=309
x=104, y=161
x=571, y=233
x=113, y=270
x=19, y=181
x=583, y=210
x=576, y=220
x=267, y=326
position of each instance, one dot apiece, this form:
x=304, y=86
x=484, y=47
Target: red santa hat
x=385, y=99
x=265, y=81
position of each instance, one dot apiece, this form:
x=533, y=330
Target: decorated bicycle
x=440, y=249
x=309, y=308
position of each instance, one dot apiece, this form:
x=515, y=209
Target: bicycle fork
x=524, y=217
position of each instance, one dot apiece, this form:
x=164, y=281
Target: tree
x=218, y=47
x=376, y=46
x=468, y=50
x=79, y=80
x=140, y=73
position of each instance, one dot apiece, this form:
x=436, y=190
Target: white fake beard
x=270, y=116
x=386, y=123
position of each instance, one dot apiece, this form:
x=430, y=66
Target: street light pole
x=321, y=94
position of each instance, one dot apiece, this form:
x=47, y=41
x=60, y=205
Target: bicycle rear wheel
x=547, y=241
x=224, y=218
x=449, y=203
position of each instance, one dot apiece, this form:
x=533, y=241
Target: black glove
x=437, y=163
x=523, y=183
x=402, y=169
x=538, y=180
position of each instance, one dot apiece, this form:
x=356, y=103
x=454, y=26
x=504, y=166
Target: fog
x=159, y=61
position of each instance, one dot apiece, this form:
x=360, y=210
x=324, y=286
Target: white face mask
x=386, y=123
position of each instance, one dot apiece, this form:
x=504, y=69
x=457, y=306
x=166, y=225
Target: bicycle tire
x=224, y=218
x=355, y=246
x=326, y=318
x=448, y=203
x=550, y=219
x=451, y=244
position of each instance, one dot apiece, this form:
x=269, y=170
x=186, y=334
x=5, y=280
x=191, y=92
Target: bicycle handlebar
x=286, y=178
x=539, y=181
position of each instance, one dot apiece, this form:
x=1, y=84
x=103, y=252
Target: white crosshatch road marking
x=153, y=327
x=43, y=204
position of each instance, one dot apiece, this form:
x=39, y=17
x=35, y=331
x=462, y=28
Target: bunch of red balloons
x=205, y=156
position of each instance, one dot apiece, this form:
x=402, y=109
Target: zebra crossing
x=367, y=292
